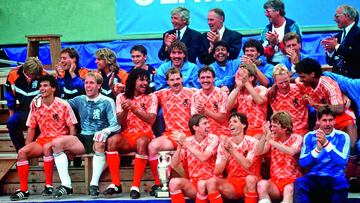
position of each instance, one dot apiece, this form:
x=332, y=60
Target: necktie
x=343, y=35
x=178, y=34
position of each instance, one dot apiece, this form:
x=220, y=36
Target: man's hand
x=199, y=106
x=294, y=58
x=329, y=43
x=272, y=37
x=179, y=137
x=320, y=136
x=168, y=39
x=246, y=60
x=213, y=37
x=225, y=89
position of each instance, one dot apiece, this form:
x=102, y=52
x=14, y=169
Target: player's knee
x=174, y=184
x=99, y=146
x=211, y=184
x=111, y=143
x=22, y=154
x=289, y=189
x=201, y=186
x=251, y=182
x=153, y=147
x=143, y=142
x=262, y=186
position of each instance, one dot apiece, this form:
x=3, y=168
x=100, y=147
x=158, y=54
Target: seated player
x=176, y=103
x=284, y=147
x=198, y=154
x=236, y=155
x=136, y=112
x=98, y=122
x=55, y=118
x=67, y=70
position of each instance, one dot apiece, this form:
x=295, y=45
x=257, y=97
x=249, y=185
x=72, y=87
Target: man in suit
x=180, y=20
x=343, y=50
x=216, y=18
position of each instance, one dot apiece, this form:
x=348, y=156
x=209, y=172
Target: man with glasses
x=343, y=49
x=274, y=32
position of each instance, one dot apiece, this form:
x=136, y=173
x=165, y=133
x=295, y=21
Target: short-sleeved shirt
x=286, y=166
x=215, y=102
x=146, y=103
x=95, y=114
x=293, y=103
x=176, y=108
x=197, y=169
x=247, y=149
x=256, y=114
x=53, y=120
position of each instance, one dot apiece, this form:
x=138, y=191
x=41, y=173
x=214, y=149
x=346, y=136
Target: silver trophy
x=164, y=160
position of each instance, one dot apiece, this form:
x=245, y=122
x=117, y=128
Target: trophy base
x=162, y=194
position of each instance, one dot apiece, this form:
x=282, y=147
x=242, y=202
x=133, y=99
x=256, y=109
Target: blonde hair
x=33, y=65
x=98, y=78
x=280, y=69
x=110, y=58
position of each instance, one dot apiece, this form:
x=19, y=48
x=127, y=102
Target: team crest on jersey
x=55, y=117
x=186, y=103
x=296, y=102
x=216, y=106
x=96, y=114
x=143, y=106
x=34, y=84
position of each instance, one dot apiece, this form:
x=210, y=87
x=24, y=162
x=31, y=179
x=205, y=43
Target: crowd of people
x=272, y=109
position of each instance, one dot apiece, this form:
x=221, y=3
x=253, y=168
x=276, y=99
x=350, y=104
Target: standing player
x=55, y=118
x=284, y=96
x=249, y=99
x=284, y=147
x=236, y=155
x=176, y=103
x=198, y=153
x=136, y=112
x=210, y=101
x=98, y=122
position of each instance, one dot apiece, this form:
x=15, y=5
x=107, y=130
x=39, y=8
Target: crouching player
x=198, y=153
x=236, y=155
x=284, y=147
x=55, y=118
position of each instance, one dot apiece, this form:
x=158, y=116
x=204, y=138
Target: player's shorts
x=168, y=135
x=88, y=142
x=239, y=184
x=42, y=140
x=133, y=137
x=343, y=120
x=195, y=182
x=281, y=183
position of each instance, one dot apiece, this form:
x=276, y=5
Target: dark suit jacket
x=346, y=59
x=191, y=39
x=233, y=39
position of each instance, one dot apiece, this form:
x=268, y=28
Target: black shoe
x=134, y=194
x=19, y=195
x=48, y=190
x=62, y=190
x=153, y=189
x=112, y=189
x=94, y=190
